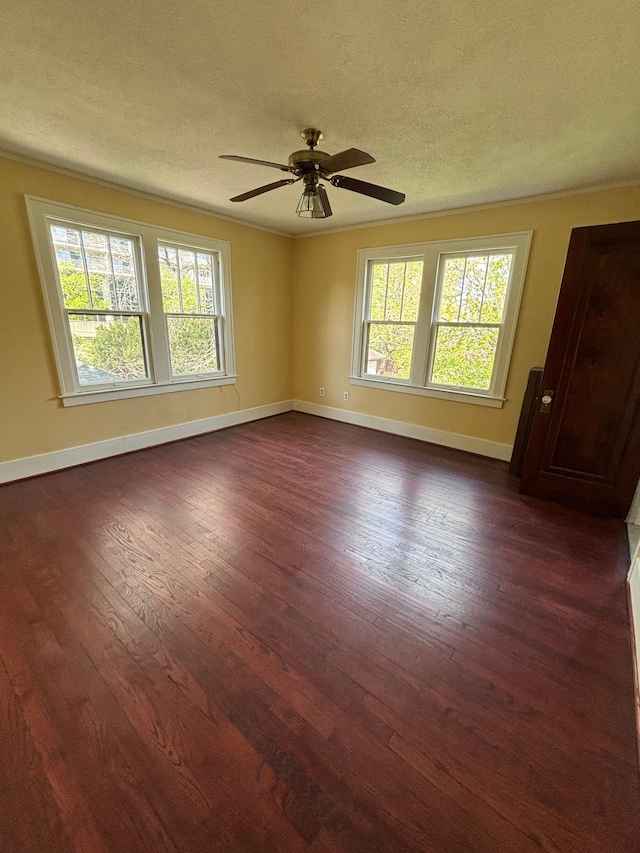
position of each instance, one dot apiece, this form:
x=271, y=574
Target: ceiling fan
x=313, y=166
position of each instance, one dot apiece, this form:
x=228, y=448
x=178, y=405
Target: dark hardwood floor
x=299, y=635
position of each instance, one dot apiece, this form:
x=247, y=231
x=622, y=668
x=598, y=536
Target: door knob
x=545, y=401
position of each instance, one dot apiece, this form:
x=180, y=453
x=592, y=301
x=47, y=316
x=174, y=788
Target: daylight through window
x=189, y=297
x=439, y=318
x=133, y=309
x=101, y=296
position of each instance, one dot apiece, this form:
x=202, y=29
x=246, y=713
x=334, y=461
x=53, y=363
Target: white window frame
x=42, y=213
x=432, y=255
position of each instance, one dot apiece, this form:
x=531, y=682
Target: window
x=133, y=309
x=439, y=318
x=189, y=297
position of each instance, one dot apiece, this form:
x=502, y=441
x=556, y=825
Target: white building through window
x=134, y=309
x=439, y=318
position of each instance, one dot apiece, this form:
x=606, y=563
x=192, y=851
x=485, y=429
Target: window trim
x=146, y=239
x=432, y=253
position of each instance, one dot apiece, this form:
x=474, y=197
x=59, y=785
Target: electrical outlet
x=322, y=392
x=346, y=396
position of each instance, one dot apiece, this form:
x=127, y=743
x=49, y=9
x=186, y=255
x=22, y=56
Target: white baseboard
x=481, y=446
x=31, y=466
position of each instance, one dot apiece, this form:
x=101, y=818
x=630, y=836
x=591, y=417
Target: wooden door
x=584, y=448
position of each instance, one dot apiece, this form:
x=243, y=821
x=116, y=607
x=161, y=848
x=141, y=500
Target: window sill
x=84, y=397
x=457, y=396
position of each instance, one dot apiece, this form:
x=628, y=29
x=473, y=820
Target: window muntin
x=457, y=338
x=103, y=289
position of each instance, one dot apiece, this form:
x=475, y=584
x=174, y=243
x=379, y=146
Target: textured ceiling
x=460, y=102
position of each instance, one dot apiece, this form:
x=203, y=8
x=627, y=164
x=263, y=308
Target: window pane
x=474, y=278
x=127, y=293
x=395, y=291
x=378, y=291
x=91, y=275
x=122, y=255
x=187, y=280
x=389, y=351
x=193, y=345
x=66, y=243
x=107, y=348
x=496, y=288
x=96, y=252
x=73, y=282
x=66, y=237
x=205, y=279
x=168, y=261
x=103, y=294
x=464, y=357
x=187, y=269
x=412, y=286
x=474, y=288
x=452, y=286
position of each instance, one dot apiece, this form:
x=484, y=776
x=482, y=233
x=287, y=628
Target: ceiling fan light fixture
x=310, y=205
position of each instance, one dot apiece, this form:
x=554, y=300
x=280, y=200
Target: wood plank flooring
x=299, y=635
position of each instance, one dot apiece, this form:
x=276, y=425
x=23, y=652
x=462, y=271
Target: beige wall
x=32, y=420
x=325, y=281
x=293, y=306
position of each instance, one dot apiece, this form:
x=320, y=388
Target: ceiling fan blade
x=345, y=160
x=280, y=166
x=265, y=189
x=324, y=200
x=364, y=188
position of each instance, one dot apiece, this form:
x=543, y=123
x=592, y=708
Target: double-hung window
x=439, y=318
x=134, y=309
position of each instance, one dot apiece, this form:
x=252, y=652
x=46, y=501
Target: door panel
x=585, y=450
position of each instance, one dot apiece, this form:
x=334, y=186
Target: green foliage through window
x=192, y=342
x=109, y=348
x=474, y=288
x=108, y=344
x=438, y=318
x=472, y=292
x=187, y=288
x=393, y=311
x=464, y=356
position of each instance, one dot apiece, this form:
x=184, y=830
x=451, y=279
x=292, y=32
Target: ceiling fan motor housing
x=305, y=160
